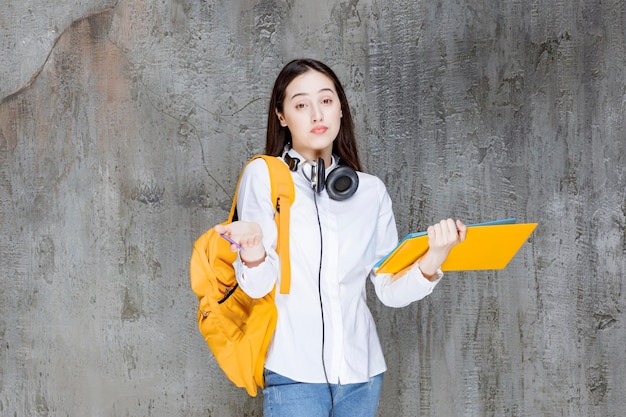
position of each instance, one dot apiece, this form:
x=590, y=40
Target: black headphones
x=340, y=185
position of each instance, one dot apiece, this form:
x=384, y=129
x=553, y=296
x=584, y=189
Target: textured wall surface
x=124, y=125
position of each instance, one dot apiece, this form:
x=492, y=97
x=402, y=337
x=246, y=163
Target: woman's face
x=312, y=113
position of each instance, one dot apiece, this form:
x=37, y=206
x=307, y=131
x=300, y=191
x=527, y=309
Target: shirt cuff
x=425, y=285
x=254, y=281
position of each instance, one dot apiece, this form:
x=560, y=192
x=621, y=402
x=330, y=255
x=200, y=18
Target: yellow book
x=488, y=245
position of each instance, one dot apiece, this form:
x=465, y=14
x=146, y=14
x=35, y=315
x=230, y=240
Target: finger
x=450, y=228
x=431, y=232
x=220, y=228
x=436, y=230
x=443, y=230
x=462, y=230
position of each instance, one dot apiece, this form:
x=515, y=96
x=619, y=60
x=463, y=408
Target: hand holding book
x=442, y=237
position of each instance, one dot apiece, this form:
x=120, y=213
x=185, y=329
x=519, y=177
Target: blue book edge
x=510, y=220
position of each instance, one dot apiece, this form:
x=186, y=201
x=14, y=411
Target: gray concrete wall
x=123, y=127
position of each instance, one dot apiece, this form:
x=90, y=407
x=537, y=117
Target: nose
x=316, y=113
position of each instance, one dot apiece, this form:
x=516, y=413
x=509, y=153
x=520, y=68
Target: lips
x=319, y=130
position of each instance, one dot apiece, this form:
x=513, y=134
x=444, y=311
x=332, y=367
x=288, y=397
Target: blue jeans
x=284, y=397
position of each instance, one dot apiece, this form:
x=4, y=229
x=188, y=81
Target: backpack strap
x=283, y=194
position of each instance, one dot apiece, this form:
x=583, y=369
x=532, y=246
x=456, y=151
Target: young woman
x=325, y=358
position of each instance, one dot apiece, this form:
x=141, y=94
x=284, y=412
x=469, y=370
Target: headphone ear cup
x=342, y=183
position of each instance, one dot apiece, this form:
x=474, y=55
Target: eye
x=327, y=101
x=300, y=106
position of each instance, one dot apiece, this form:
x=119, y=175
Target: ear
x=281, y=119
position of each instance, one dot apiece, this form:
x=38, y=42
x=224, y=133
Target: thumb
x=220, y=228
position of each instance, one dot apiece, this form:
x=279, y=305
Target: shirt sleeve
x=254, y=205
x=401, y=289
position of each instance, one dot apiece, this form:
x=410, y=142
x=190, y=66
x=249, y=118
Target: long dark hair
x=278, y=136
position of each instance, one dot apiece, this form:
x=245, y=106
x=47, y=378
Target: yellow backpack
x=237, y=328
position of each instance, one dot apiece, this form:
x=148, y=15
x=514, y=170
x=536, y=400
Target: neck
x=310, y=155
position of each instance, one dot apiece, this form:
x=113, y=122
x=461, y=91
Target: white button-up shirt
x=355, y=234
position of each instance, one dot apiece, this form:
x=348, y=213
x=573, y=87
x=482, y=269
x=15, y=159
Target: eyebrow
x=320, y=91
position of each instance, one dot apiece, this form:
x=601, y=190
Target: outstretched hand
x=249, y=236
x=442, y=237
